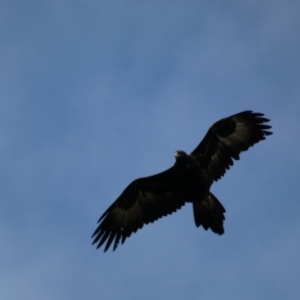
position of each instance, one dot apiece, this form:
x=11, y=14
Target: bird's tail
x=209, y=212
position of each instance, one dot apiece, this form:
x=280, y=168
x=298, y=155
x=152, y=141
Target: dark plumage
x=147, y=199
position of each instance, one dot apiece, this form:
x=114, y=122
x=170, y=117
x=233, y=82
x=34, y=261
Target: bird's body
x=189, y=180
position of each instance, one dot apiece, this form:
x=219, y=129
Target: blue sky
x=94, y=94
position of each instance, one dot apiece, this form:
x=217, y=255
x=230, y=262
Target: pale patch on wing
x=136, y=216
x=124, y=218
x=146, y=196
x=240, y=139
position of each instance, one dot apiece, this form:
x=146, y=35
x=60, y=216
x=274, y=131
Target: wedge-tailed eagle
x=189, y=180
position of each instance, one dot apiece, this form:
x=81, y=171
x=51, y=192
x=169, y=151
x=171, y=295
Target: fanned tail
x=209, y=212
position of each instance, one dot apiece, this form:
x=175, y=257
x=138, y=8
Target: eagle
x=147, y=199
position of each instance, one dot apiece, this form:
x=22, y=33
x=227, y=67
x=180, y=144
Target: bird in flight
x=147, y=199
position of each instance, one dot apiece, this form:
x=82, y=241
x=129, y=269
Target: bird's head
x=179, y=154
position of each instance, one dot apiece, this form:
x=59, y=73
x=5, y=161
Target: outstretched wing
x=226, y=139
x=143, y=201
